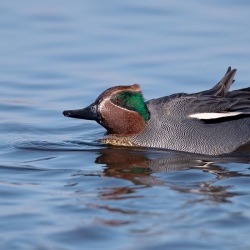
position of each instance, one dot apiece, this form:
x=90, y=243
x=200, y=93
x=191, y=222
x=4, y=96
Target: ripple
x=6, y=147
x=58, y=146
x=8, y=144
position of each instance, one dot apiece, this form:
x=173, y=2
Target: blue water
x=59, y=188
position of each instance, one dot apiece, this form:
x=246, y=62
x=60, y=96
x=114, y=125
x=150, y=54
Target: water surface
x=60, y=189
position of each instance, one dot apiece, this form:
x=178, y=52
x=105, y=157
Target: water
x=59, y=188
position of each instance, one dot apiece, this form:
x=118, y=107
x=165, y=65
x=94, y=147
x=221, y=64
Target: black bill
x=88, y=113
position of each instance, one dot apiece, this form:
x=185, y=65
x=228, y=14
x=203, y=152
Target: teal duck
x=212, y=122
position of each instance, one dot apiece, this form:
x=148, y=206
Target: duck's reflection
x=141, y=168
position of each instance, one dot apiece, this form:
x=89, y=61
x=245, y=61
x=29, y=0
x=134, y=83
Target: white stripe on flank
x=206, y=116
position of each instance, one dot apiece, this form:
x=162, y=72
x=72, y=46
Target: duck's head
x=121, y=110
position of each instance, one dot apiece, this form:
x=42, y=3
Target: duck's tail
x=223, y=86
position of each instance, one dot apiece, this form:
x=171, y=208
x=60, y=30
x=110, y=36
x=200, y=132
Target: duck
x=210, y=122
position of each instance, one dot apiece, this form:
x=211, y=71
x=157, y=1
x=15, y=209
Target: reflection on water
x=142, y=168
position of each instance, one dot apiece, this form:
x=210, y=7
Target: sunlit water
x=60, y=188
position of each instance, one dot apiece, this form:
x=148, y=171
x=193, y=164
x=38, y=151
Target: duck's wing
x=240, y=93
x=222, y=87
x=214, y=108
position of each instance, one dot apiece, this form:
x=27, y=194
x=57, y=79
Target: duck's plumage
x=212, y=122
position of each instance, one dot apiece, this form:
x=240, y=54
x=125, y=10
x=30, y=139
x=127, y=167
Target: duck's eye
x=117, y=101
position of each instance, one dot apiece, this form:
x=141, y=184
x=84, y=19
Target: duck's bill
x=88, y=113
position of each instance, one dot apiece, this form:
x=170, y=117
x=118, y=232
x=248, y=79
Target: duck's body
x=210, y=122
